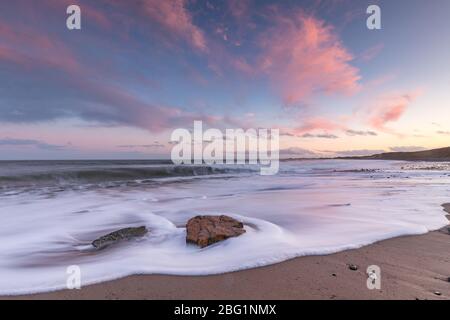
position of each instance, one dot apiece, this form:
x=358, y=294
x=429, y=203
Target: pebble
x=353, y=267
x=437, y=293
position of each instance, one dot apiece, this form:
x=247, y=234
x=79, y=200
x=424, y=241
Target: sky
x=137, y=70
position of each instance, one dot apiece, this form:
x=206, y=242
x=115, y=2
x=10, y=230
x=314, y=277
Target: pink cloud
x=371, y=53
x=302, y=56
x=386, y=110
x=314, y=124
x=298, y=54
x=10, y=56
x=390, y=109
x=242, y=65
x=174, y=17
x=27, y=50
x=379, y=81
x=23, y=46
x=97, y=16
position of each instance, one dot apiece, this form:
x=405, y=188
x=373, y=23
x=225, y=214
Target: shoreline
x=412, y=267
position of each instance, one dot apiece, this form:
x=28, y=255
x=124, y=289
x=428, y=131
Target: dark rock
x=119, y=235
x=334, y=275
x=206, y=230
x=353, y=267
x=446, y=207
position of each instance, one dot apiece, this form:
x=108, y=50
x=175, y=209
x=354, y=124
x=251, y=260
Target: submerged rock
x=116, y=236
x=206, y=230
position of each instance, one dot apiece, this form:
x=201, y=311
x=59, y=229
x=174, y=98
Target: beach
x=412, y=267
x=303, y=229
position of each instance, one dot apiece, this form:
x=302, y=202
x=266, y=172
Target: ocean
x=51, y=211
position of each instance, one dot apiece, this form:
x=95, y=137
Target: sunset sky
x=137, y=70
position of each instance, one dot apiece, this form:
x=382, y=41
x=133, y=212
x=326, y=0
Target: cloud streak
x=313, y=124
x=148, y=146
x=351, y=132
x=320, y=135
x=9, y=142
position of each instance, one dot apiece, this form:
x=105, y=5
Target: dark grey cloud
x=150, y=146
x=287, y=134
x=321, y=136
x=310, y=135
x=94, y=102
x=29, y=143
x=360, y=133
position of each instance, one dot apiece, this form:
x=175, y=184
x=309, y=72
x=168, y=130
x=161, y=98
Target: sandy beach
x=412, y=267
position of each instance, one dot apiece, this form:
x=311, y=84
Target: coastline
x=412, y=267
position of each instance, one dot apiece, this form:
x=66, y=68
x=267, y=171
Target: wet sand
x=412, y=267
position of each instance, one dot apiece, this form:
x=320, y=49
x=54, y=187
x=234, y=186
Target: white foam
x=313, y=207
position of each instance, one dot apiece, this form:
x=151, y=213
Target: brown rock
x=206, y=230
